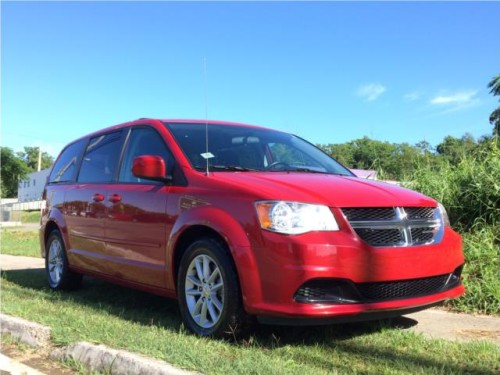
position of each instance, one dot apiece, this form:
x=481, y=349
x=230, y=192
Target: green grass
x=26, y=216
x=20, y=242
x=30, y=216
x=147, y=324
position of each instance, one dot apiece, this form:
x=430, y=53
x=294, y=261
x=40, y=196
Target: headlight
x=294, y=218
x=444, y=215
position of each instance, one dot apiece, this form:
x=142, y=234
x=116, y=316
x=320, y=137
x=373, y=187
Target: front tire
x=208, y=290
x=59, y=275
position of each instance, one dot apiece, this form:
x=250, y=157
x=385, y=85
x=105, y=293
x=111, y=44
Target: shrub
x=470, y=191
x=481, y=271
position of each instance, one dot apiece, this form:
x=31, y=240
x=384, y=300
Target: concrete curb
x=93, y=357
x=32, y=334
x=116, y=362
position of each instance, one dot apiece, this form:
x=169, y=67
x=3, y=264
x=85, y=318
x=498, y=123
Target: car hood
x=332, y=190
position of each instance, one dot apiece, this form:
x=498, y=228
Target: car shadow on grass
x=147, y=309
x=132, y=305
x=347, y=340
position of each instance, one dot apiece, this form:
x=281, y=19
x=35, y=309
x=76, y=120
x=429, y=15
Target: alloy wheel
x=204, y=290
x=55, y=261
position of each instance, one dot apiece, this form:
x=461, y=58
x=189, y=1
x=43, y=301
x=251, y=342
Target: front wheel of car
x=208, y=291
x=56, y=264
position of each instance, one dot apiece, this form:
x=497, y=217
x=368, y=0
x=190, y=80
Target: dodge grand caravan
x=237, y=222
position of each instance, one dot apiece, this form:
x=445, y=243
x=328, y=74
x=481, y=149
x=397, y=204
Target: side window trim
x=126, y=139
x=123, y=139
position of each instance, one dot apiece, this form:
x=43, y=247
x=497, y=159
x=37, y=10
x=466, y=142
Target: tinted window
x=64, y=169
x=100, y=159
x=143, y=141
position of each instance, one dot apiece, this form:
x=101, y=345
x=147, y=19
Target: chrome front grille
x=396, y=226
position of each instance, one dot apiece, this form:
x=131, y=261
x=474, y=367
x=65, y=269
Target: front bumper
x=281, y=268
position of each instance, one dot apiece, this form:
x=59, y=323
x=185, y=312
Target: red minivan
x=237, y=222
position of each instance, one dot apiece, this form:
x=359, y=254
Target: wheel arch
x=190, y=235
x=55, y=220
x=49, y=228
x=215, y=223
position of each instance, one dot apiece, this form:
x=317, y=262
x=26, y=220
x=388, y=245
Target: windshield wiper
x=298, y=169
x=310, y=170
x=229, y=168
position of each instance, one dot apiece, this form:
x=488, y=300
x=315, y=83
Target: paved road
x=434, y=323
x=13, y=262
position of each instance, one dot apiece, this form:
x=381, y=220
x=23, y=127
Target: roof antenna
x=207, y=155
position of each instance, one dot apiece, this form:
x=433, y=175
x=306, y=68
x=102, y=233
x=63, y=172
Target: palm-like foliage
x=495, y=121
x=494, y=87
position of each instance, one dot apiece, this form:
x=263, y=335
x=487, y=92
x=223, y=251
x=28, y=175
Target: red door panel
x=136, y=233
x=85, y=214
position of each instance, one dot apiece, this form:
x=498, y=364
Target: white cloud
x=450, y=102
x=412, y=96
x=457, y=99
x=371, y=91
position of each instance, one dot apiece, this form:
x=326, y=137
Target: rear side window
x=101, y=158
x=64, y=169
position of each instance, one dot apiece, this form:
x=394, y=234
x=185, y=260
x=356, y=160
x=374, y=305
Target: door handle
x=115, y=198
x=98, y=197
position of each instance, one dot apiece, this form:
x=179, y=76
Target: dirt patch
x=480, y=334
x=461, y=327
x=34, y=358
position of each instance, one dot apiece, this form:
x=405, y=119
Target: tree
x=13, y=170
x=424, y=147
x=494, y=85
x=30, y=157
x=456, y=149
x=495, y=121
x=391, y=160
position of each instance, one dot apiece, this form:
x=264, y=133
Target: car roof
x=142, y=120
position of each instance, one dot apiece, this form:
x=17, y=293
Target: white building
x=31, y=188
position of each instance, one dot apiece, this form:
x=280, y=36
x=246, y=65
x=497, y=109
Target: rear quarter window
x=64, y=169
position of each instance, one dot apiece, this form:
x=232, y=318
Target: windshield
x=240, y=148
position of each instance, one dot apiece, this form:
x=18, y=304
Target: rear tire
x=59, y=275
x=208, y=291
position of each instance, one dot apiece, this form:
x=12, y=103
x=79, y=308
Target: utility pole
x=39, y=159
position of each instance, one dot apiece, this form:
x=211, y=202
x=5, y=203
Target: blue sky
x=330, y=72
